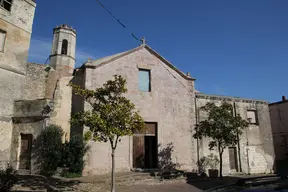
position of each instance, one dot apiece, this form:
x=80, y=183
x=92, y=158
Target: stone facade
x=172, y=103
x=169, y=103
x=43, y=103
x=16, y=23
x=279, y=124
x=255, y=152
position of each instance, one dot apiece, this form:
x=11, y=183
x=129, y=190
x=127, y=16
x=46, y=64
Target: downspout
x=247, y=146
x=238, y=142
x=196, y=116
x=247, y=151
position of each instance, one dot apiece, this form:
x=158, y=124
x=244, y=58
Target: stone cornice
x=227, y=98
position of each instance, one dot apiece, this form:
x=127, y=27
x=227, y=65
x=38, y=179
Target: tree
x=221, y=126
x=72, y=155
x=48, y=150
x=112, y=116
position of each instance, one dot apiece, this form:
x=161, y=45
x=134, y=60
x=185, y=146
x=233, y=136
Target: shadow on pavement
x=205, y=183
x=41, y=183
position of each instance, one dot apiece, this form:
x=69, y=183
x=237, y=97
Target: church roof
x=102, y=61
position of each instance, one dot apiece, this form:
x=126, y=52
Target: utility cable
x=118, y=20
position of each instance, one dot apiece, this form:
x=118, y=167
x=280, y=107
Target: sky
x=234, y=48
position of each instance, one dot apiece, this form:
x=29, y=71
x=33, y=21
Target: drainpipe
x=238, y=142
x=247, y=149
x=196, y=115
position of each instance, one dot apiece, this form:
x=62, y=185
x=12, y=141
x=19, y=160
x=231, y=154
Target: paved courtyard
x=180, y=187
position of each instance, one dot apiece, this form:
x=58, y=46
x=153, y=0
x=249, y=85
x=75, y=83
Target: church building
x=165, y=97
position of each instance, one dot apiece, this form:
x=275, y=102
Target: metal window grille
x=6, y=4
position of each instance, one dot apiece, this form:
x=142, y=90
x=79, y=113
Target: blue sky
x=234, y=48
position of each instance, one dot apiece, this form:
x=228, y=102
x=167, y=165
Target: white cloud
x=40, y=49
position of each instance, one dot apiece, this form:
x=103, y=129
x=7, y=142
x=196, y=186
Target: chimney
x=283, y=98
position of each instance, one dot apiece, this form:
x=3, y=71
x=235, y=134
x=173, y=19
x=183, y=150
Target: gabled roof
x=105, y=60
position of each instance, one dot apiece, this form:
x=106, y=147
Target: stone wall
x=259, y=151
x=35, y=81
x=21, y=14
x=30, y=117
x=18, y=27
x=170, y=104
x=32, y=126
x=279, y=123
x=78, y=101
x=62, y=106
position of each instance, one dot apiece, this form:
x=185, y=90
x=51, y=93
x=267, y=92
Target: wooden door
x=25, y=152
x=138, y=151
x=233, y=158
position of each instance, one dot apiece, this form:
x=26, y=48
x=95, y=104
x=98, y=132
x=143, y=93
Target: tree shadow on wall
x=165, y=160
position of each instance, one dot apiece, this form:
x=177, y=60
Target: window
x=252, y=116
x=2, y=40
x=64, y=47
x=144, y=80
x=6, y=4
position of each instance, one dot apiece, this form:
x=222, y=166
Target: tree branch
x=117, y=137
x=111, y=142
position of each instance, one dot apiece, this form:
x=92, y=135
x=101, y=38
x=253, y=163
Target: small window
x=144, y=80
x=2, y=40
x=6, y=4
x=252, y=116
x=64, y=47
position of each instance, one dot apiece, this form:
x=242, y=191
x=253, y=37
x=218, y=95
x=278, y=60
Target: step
x=23, y=172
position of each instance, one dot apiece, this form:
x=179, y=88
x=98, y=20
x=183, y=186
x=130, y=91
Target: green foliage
x=113, y=115
x=72, y=155
x=213, y=161
x=48, y=150
x=8, y=178
x=88, y=136
x=68, y=174
x=203, y=164
x=222, y=127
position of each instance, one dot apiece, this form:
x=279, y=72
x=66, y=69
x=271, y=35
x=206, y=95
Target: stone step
x=23, y=172
x=125, y=178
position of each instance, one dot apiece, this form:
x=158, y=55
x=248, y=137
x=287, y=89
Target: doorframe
x=131, y=146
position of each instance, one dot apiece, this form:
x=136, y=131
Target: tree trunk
x=220, y=156
x=113, y=171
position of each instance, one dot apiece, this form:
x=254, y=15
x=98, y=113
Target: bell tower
x=63, y=49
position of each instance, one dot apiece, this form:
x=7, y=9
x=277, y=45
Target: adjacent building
x=16, y=19
x=165, y=97
x=279, y=124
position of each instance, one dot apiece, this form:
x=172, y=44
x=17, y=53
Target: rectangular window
x=6, y=4
x=2, y=40
x=252, y=116
x=144, y=80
